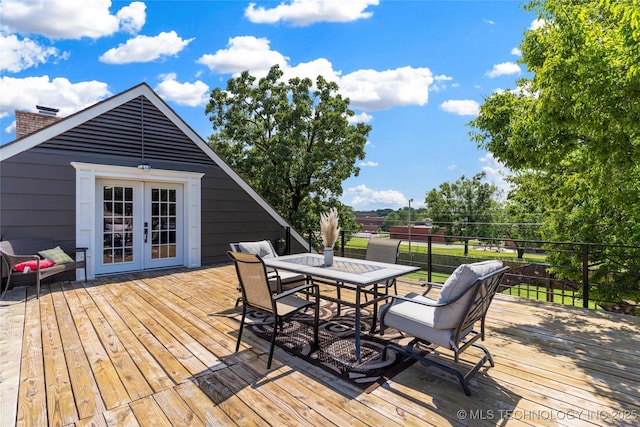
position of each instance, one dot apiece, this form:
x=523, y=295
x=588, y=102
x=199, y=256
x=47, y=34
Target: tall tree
x=571, y=133
x=464, y=207
x=290, y=141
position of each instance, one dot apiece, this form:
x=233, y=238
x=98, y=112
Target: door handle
x=146, y=231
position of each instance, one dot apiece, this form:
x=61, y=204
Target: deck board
x=158, y=348
x=12, y=322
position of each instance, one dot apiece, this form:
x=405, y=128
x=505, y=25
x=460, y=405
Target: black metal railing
x=583, y=274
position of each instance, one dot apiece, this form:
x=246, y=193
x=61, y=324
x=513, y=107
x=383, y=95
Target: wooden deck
x=156, y=349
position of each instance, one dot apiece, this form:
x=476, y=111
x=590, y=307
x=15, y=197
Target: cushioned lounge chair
x=452, y=321
x=18, y=251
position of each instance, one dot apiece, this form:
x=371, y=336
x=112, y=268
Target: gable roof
x=46, y=133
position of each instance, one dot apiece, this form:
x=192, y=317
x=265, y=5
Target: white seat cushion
x=416, y=320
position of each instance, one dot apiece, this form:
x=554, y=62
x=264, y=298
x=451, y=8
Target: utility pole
x=409, y=224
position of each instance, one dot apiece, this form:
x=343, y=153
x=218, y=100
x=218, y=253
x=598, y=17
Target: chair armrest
x=426, y=303
x=12, y=260
x=84, y=253
x=316, y=290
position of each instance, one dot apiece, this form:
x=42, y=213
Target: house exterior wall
x=37, y=186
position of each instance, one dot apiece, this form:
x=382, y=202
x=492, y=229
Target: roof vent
x=47, y=111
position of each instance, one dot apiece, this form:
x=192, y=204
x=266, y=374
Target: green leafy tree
x=463, y=208
x=290, y=141
x=393, y=219
x=571, y=133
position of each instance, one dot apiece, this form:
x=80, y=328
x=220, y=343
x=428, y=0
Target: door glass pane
x=163, y=223
x=118, y=224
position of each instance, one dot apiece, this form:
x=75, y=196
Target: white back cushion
x=457, y=284
x=262, y=248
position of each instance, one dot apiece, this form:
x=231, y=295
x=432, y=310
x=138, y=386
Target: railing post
x=585, y=275
x=342, y=234
x=429, y=239
x=287, y=240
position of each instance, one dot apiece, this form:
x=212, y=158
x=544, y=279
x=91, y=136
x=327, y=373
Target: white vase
x=328, y=256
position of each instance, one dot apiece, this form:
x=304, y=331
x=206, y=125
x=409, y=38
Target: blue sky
x=416, y=71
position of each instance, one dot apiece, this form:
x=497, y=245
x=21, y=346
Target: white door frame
x=86, y=174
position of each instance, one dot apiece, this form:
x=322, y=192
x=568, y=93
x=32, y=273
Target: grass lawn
x=456, y=249
x=540, y=293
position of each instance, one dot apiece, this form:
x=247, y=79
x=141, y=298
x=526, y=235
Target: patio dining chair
x=384, y=250
x=256, y=293
x=451, y=321
x=380, y=250
x=278, y=281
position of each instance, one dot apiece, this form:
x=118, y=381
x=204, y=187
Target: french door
x=140, y=225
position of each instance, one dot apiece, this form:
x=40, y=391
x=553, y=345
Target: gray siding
x=37, y=187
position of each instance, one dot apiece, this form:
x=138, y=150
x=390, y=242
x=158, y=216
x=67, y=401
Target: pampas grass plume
x=329, y=227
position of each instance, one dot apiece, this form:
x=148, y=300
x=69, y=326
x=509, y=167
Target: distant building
x=369, y=223
x=419, y=232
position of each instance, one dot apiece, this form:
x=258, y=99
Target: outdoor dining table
x=360, y=274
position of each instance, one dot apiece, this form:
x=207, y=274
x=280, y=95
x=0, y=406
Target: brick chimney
x=27, y=122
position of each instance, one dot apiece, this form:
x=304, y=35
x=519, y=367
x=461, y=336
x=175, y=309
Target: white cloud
x=360, y=118
x=244, y=53
x=496, y=172
x=313, y=69
x=132, y=17
x=69, y=19
x=145, y=48
x=189, y=94
x=506, y=68
x=11, y=128
x=306, y=12
x=376, y=90
x=440, y=82
x=364, y=198
x=369, y=163
x=366, y=89
x=18, y=55
x=516, y=51
x=462, y=107
x=537, y=23
x=520, y=90
x=25, y=94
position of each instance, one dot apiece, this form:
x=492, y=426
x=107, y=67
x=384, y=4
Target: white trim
x=86, y=175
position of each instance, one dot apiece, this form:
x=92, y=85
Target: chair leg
x=375, y=307
x=244, y=313
x=461, y=378
x=316, y=341
x=273, y=341
x=4, y=293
